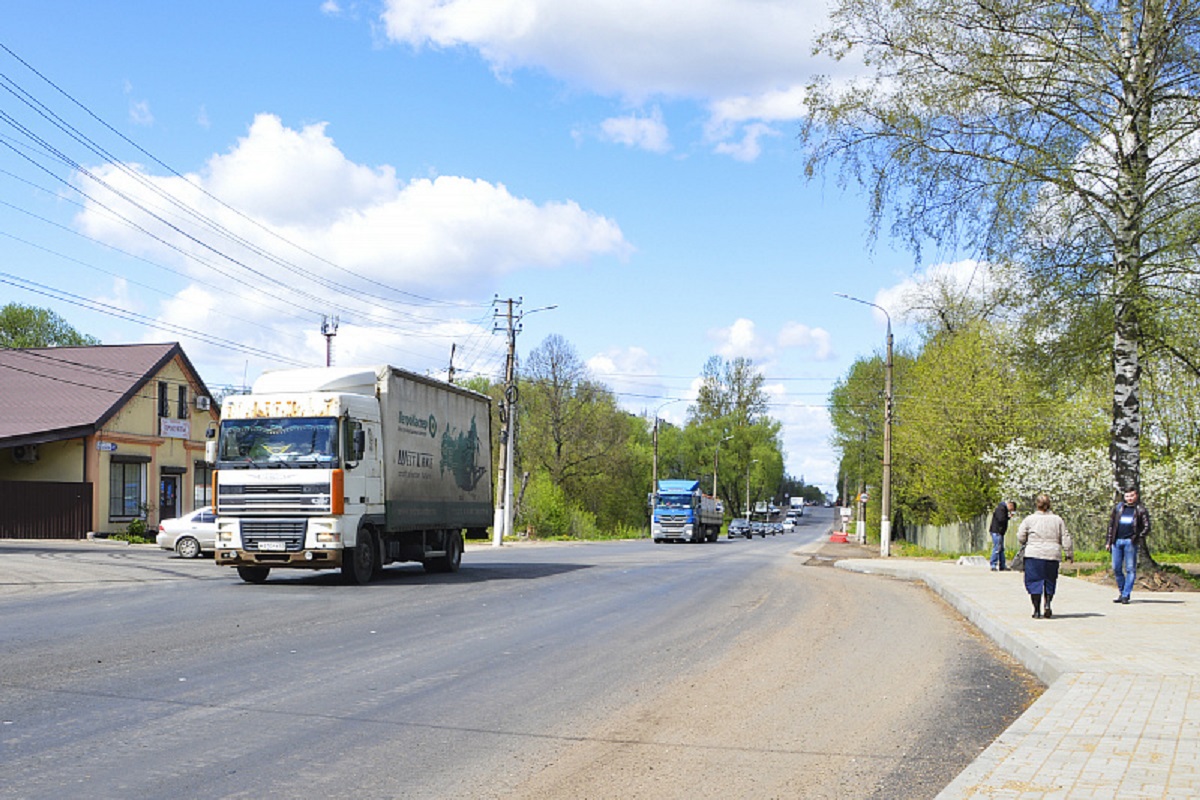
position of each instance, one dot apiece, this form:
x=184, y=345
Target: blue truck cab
x=683, y=513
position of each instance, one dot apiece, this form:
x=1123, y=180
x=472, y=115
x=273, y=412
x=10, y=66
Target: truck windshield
x=299, y=441
x=674, y=501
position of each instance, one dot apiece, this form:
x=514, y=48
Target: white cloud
x=635, y=377
x=331, y=8
x=303, y=207
x=139, y=113
x=749, y=148
x=646, y=133
x=747, y=60
x=801, y=336
x=202, y=118
x=447, y=233
x=743, y=339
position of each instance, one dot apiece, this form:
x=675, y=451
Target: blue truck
x=683, y=513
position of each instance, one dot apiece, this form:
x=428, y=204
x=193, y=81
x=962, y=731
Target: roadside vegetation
x=584, y=466
x=1057, y=146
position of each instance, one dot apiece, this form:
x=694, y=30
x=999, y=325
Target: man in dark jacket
x=1128, y=526
x=998, y=528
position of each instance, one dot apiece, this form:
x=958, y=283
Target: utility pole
x=329, y=330
x=501, y=520
x=450, y=369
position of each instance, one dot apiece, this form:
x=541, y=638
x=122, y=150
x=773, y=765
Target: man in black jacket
x=1127, y=528
x=998, y=528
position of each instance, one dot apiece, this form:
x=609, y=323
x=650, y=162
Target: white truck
x=350, y=468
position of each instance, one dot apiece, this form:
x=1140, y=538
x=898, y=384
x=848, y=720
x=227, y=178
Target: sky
x=234, y=176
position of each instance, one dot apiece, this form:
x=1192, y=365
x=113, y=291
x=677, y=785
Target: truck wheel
x=359, y=563
x=254, y=574
x=453, y=558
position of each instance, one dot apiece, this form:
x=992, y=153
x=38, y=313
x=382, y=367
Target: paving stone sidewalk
x=1121, y=716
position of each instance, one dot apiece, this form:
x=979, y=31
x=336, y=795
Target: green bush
x=544, y=510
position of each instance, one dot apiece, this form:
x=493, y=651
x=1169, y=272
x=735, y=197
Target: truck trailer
x=350, y=468
x=683, y=513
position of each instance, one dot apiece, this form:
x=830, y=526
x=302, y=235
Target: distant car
x=739, y=527
x=776, y=527
x=189, y=535
x=789, y=525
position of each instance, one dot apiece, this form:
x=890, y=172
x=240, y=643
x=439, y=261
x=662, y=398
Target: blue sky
x=247, y=168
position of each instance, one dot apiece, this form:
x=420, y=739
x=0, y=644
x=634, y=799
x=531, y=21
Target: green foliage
x=26, y=326
x=545, y=510
x=587, y=464
x=1051, y=137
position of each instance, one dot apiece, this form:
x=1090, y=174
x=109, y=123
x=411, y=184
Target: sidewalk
x=1121, y=716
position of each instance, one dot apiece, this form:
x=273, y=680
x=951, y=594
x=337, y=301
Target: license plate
x=272, y=545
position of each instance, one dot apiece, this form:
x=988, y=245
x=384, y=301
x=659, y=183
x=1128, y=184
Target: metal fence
x=45, y=510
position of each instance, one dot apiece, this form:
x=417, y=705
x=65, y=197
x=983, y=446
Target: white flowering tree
x=1079, y=485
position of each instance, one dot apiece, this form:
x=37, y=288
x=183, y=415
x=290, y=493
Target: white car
x=190, y=535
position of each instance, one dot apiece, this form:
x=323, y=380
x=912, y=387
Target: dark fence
x=45, y=510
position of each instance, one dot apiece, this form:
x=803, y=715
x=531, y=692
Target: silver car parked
x=190, y=535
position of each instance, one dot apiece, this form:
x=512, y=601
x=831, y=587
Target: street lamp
x=885, y=522
x=748, y=466
x=716, y=457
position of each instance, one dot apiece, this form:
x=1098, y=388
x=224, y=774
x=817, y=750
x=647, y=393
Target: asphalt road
x=128, y=672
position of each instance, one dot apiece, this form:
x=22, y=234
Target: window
x=183, y=405
x=126, y=488
x=164, y=399
x=202, y=494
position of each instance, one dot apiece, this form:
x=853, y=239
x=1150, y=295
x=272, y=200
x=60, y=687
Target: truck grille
x=288, y=531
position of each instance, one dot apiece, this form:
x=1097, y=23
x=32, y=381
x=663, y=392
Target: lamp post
x=716, y=460
x=885, y=522
x=748, y=466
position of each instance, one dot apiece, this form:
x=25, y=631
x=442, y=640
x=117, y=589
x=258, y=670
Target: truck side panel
x=436, y=453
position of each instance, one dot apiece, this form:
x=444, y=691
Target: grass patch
x=909, y=550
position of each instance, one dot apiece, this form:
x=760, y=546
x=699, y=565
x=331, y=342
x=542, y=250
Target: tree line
x=584, y=466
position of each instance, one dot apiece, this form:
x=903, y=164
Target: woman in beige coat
x=1046, y=543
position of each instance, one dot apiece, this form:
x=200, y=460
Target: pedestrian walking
x=998, y=528
x=1128, y=527
x=1047, y=542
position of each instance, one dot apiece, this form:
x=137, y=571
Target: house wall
x=56, y=461
x=137, y=432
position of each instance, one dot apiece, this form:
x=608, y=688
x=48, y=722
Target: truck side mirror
x=210, y=451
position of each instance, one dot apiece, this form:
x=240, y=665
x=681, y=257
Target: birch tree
x=1056, y=136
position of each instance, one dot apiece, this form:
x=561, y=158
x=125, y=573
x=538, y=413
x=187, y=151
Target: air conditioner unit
x=202, y=402
x=25, y=453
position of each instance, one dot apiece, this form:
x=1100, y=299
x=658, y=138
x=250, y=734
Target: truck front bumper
x=303, y=559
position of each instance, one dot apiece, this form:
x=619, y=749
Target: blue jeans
x=997, y=561
x=1124, y=563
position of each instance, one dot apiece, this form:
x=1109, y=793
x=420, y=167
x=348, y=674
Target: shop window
x=126, y=488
